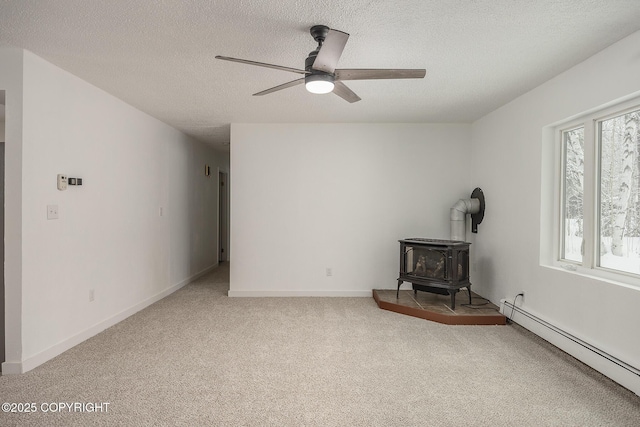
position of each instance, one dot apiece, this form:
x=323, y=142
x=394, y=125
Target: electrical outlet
x=329, y=272
x=521, y=296
x=52, y=211
x=92, y=295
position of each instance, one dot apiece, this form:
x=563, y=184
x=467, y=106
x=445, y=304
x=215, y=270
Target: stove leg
x=452, y=292
x=469, y=289
x=398, y=291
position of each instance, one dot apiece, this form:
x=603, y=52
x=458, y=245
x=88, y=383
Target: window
x=573, y=183
x=600, y=194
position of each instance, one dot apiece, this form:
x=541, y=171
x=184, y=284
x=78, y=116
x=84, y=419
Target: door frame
x=223, y=216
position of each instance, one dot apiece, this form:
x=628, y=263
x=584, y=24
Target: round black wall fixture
x=478, y=217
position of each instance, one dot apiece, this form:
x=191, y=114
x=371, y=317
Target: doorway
x=223, y=217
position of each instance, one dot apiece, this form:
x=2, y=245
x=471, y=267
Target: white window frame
x=563, y=173
x=591, y=202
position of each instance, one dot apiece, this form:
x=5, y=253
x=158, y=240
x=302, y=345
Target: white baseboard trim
x=280, y=294
x=195, y=276
x=619, y=371
x=11, y=368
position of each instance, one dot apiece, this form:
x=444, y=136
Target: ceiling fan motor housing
x=315, y=75
x=308, y=63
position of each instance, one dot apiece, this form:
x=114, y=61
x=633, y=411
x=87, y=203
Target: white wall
x=306, y=197
x=110, y=237
x=513, y=150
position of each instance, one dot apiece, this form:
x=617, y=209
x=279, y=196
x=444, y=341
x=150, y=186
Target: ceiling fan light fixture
x=319, y=83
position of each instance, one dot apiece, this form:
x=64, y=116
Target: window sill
x=619, y=279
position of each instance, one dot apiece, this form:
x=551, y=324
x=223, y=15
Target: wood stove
x=436, y=266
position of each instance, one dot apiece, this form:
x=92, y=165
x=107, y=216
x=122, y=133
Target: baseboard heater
x=510, y=308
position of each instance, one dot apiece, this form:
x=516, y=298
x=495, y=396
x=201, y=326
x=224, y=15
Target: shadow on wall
x=484, y=271
x=2, y=115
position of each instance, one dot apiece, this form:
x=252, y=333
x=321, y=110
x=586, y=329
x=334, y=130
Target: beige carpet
x=199, y=358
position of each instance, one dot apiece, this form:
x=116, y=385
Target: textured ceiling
x=159, y=55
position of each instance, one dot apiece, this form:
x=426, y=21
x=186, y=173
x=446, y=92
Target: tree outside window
x=573, y=224
x=619, y=195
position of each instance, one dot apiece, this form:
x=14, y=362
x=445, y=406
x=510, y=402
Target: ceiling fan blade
x=374, y=74
x=280, y=87
x=344, y=92
x=330, y=52
x=262, y=64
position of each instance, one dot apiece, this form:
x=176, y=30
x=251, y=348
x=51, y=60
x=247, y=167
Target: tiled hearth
x=437, y=308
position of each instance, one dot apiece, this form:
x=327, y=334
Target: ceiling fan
x=320, y=73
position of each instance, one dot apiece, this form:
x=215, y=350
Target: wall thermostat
x=62, y=182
